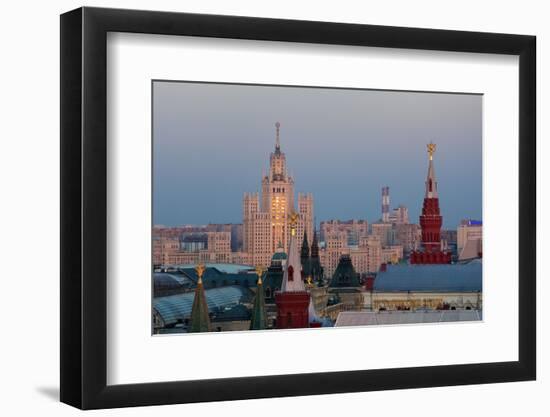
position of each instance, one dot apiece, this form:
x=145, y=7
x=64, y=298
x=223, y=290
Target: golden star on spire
x=431, y=149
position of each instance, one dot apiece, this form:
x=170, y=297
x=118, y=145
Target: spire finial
x=277, y=140
x=431, y=149
x=200, y=268
x=259, y=272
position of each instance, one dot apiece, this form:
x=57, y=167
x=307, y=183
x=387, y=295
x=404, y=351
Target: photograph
x=279, y=207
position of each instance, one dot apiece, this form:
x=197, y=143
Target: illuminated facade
x=265, y=225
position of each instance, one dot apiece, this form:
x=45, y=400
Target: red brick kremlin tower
x=430, y=223
x=293, y=299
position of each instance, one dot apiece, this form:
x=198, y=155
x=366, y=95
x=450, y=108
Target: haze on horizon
x=211, y=143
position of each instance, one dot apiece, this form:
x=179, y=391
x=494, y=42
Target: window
x=290, y=273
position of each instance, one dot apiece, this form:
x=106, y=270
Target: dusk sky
x=212, y=141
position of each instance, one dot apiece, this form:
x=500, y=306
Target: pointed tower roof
x=305, y=247
x=345, y=275
x=292, y=277
x=431, y=183
x=200, y=321
x=315, y=246
x=259, y=316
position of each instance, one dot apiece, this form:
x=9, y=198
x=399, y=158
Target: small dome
x=279, y=256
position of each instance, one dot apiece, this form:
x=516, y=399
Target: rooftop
x=371, y=318
x=459, y=277
x=227, y=268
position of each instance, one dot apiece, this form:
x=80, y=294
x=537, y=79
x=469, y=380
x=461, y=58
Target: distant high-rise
x=265, y=216
x=469, y=239
x=399, y=215
x=385, y=204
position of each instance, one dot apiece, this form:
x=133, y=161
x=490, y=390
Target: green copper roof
x=279, y=256
x=200, y=321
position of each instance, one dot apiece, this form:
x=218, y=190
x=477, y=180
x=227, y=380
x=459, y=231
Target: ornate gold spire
x=293, y=221
x=259, y=272
x=431, y=149
x=200, y=268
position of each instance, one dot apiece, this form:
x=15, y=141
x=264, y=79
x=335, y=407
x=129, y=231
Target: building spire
x=314, y=245
x=259, y=318
x=305, y=247
x=200, y=320
x=277, y=138
x=431, y=183
x=304, y=256
x=292, y=275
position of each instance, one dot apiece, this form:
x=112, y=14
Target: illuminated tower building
x=265, y=224
x=293, y=299
x=430, y=222
x=200, y=321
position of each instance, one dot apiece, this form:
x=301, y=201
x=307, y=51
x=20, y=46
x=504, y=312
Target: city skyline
x=192, y=138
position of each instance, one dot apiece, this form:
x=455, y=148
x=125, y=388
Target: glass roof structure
x=227, y=268
x=178, y=307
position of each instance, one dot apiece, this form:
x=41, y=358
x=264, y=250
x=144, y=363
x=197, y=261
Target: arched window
x=268, y=292
x=290, y=273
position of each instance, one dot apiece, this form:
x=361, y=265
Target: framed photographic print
x=308, y=207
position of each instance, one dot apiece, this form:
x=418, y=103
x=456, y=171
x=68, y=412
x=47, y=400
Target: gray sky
x=211, y=142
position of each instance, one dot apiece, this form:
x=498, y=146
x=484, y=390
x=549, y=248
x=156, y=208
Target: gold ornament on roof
x=293, y=221
x=259, y=272
x=199, y=269
x=431, y=149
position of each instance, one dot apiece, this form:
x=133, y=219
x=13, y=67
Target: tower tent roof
x=345, y=275
x=292, y=278
x=259, y=318
x=315, y=246
x=200, y=320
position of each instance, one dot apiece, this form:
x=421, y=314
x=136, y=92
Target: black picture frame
x=84, y=207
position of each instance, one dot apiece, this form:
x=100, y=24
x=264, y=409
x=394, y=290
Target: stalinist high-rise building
x=265, y=216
